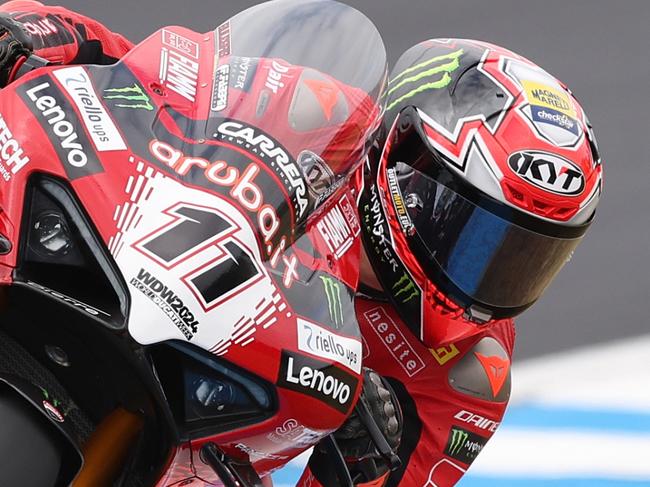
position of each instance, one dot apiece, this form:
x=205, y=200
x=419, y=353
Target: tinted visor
x=495, y=255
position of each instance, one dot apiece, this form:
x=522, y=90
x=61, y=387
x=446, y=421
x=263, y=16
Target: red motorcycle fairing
x=222, y=240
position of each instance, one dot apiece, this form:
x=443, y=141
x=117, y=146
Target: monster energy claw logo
x=434, y=74
x=406, y=289
x=131, y=96
x=458, y=439
x=333, y=293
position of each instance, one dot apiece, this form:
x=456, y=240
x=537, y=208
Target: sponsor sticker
x=477, y=420
x=12, y=155
x=167, y=301
x=463, y=445
x=255, y=454
x=547, y=171
x=444, y=354
x=279, y=158
x=274, y=80
x=132, y=97
x=180, y=43
x=179, y=73
x=220, y=88
x=291, y=431
x=545, y=96
x=395, y=341
x=243, y=72
x=556, y=118
x=325, y=344
x=63, y=127
x=398, y=201
x=100, y=126
x=339, y=227
x=317, y=379
x=53, y=412
x=223, y=39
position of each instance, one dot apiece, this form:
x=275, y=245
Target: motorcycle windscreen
x=311, y=75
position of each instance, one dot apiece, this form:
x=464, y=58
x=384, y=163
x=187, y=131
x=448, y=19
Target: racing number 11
x=194, y=230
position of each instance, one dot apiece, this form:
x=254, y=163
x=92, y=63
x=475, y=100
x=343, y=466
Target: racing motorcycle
x=179, y=250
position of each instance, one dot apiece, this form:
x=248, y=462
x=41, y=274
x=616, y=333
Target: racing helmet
x=488, y=180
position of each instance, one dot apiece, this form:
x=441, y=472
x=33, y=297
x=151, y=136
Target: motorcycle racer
x=488, y=179
x=487, y=159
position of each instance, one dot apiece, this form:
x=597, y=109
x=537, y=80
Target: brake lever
x=377, y=437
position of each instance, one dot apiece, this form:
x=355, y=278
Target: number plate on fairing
x=192, y=264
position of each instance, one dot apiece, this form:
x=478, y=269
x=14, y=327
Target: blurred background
x=580, y=413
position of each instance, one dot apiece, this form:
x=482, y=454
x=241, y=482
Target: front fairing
x=182, y=192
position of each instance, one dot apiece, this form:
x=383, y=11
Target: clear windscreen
x=309, y=74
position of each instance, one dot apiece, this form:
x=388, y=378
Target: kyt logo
x=548, y=171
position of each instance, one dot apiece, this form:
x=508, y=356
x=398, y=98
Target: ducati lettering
x=433, y=74
x=476, y=420
x=289, y=170
x=463, y=445
x=179, y=73
x=67, y=299
x=317, y=379
x=548, y=171
x=325, y=344
x=220, y=88
x=394, y=341
x=243, y=186
x=132, y=97
x=274, y=78
x=74, y=149
x=167, y=301
x=99, y=124
x=12, y=155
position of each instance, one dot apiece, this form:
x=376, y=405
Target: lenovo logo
x=317, y=379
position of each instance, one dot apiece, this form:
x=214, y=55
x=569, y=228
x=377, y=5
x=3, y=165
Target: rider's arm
x=65, y=37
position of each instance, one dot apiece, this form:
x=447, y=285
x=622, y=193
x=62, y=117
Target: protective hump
x=317, y=103
x=483, y=372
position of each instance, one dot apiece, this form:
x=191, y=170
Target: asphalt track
x=601, y=49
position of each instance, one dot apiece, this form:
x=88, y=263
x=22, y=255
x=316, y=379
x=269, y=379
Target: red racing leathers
x=453, y=397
